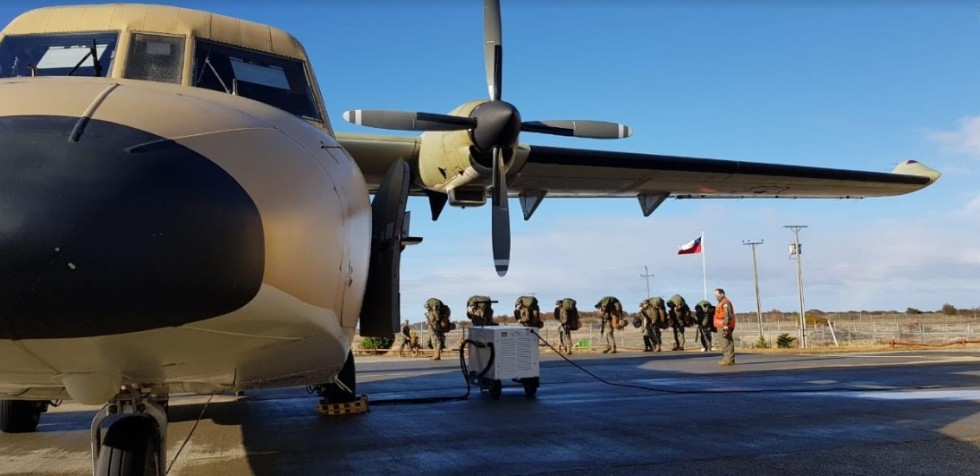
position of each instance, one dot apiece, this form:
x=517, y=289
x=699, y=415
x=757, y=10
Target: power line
x=646, y=276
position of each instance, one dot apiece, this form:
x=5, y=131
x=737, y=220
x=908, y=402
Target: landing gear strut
x=134, y=443
x=343, y=389
x=20, y=416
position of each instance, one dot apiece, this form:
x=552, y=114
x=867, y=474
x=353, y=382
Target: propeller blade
x=588, y=129
x=408, y=121
x=500, y=216
x=493, y=47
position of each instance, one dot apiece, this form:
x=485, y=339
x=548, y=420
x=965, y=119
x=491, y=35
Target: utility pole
x=755, y=272
x=646, y=276
x=795, y=248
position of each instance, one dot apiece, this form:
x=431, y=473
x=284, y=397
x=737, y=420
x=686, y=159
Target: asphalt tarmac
x=674, y=412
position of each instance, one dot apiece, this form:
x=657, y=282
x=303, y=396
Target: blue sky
x=860, y=85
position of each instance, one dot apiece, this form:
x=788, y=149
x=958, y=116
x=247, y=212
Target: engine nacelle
x=446, y=160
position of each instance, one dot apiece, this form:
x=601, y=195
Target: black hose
x=467, y=376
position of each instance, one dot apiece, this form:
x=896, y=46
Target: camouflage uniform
x=527, y=312
x=680, y=317
x=479, y=311
x=705, y=314
x=651, y=333
x=437, y=338
x=406, y=338
x=610, y=315
x=564, y=333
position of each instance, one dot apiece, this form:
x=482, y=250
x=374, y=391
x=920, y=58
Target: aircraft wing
x=566, y=172
x=375, y=153
x=592, y=173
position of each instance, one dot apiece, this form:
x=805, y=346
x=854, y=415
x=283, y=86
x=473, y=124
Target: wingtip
x=914, y=167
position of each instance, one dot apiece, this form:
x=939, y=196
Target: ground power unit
x=505, y=353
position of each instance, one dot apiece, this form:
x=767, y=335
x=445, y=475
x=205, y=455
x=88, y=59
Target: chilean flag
x=691, y=247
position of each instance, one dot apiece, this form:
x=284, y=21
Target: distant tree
x=815, y=311
x=949, y=309
x=913, y=310
x=784, y=341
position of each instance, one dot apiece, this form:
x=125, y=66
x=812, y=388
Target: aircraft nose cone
x=119, y=231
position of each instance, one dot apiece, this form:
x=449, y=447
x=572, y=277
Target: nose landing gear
x=135, y=442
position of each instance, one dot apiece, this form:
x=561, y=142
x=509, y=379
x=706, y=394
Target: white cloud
x=965, y=141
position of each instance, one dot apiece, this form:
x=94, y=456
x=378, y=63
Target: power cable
x=725, y=391
x=191, y=433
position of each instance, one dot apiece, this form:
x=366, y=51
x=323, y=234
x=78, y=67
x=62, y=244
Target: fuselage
x=185, y=218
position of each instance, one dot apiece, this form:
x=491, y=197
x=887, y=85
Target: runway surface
x=905, y=413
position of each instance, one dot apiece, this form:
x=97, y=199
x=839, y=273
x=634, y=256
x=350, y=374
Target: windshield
x=57, y=55
x=275, y=80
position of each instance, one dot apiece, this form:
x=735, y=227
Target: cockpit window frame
x=130, y=45
x=117, y=45
x=312, y=97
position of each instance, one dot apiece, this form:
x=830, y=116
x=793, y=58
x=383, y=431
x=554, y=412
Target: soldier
x=567, y=316
x=680, y=316
x=437, y=315
x=725, y=322
x=654, y=314
x=406, y=338
x=611, y=311
x=527, y=312
x=416, y=345
x=705, y=315
x=479, y=311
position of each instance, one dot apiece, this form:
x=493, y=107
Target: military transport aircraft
x=177, y=214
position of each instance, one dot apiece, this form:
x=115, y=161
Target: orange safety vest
x=720, y=313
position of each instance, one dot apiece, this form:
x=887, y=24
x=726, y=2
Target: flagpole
x=704, y=269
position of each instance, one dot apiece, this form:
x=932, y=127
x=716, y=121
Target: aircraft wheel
x=19, y=416
x=495, y=389
x=131, y=448
x=531, y=386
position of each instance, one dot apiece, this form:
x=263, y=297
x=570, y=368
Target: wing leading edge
x=591, y=173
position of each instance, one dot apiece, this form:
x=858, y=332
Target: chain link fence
x=823, y=330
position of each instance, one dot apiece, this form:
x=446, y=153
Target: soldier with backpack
x=611, y=311
x=527, y=312
x=437, y=315
x=680, y=317
x=704, y=313
x=567, y=315
x=654, y=316
x=479, y=311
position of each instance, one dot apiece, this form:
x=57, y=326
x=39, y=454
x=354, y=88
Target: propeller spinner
x=494, y=127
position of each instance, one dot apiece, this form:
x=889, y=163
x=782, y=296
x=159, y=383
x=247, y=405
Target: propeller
x=494, y=128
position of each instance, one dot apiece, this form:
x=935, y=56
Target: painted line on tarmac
x=943, y=395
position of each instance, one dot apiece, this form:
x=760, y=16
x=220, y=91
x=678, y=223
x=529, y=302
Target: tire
x=19, y=416
x=495, y=389
x=130, y=448
x=531, y=386
x=335, y=394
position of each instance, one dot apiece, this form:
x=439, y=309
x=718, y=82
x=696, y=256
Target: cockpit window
x=76, y=54
x=155, y=58
x=275, y=80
